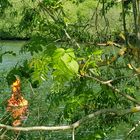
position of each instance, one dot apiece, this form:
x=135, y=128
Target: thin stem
x=133, y=129
x=124, y=23
x=98, y=79
x=73, y=134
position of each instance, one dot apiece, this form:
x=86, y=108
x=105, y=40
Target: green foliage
x=29, y=19
x=107, y=5
x=61, y=63
x=70, y=65
x=4, y=4
x=20, y=71
x=35, y=45
x=52, y=3
x=64, y=62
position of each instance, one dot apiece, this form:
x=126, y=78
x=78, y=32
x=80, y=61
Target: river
x=9, y=60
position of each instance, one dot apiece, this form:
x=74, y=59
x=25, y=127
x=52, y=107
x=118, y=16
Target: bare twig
x=3, y=135
x=72, y=40
x=106, y=27
x=110, y=44
x=121, y=77
x=124, y=22
x=132, y=129
x=90, y=21
x=32, y=89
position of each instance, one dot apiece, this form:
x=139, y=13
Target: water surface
x=9, y=60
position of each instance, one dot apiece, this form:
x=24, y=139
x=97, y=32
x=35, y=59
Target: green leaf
x=66, y=58
x=64, y=65
x=98, y=52
x=98, y=136
x=50, y=50
x=73, y=66
x=70, y=52
x=58, y=53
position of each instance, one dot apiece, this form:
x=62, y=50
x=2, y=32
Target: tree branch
x=74, y=125
x=72, y=40
x=108, y=83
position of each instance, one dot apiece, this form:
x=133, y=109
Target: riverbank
x=13, y=37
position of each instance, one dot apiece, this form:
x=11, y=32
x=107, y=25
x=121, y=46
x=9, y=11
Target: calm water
x=9, y=60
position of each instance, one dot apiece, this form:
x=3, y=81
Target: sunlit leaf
x=98, y=52
x=73, y=66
